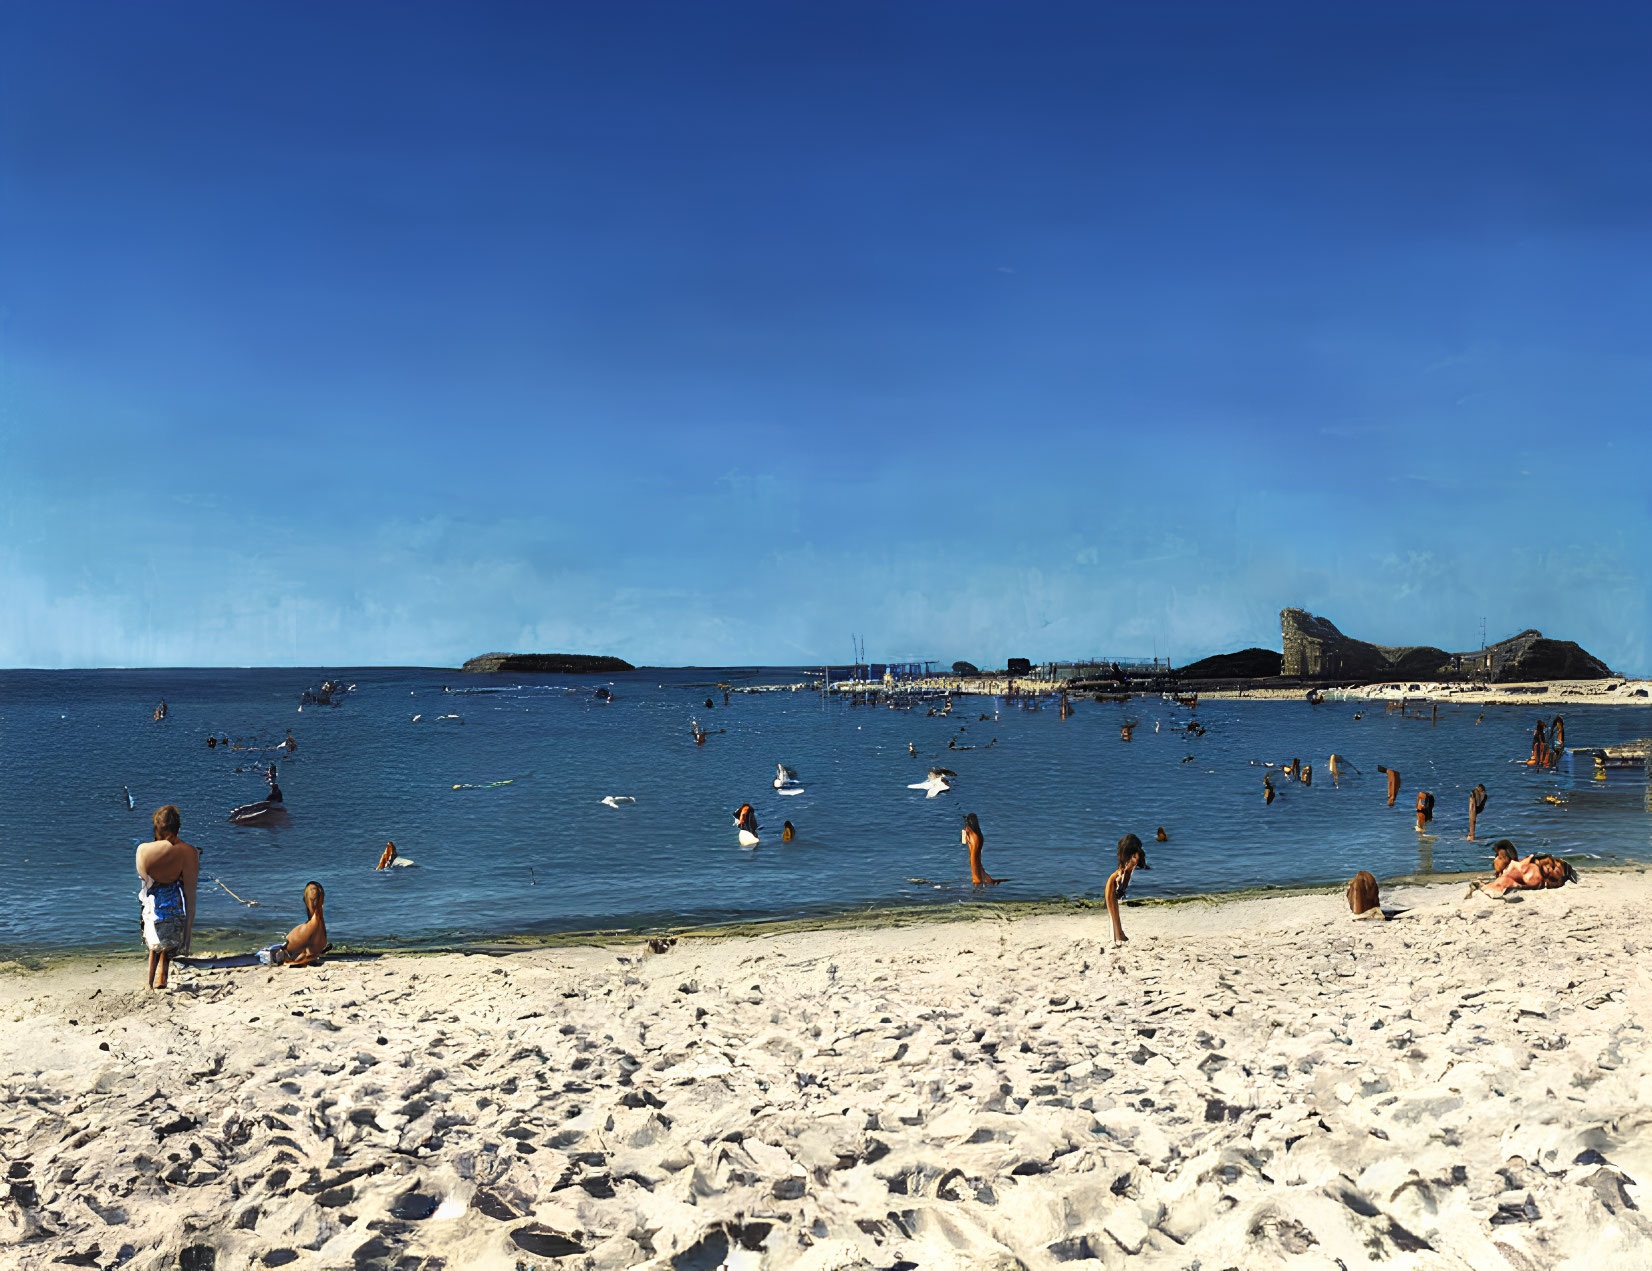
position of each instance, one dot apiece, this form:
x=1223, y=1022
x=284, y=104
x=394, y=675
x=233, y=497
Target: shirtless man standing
x=168, y=869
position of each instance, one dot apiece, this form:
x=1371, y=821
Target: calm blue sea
x=544, y=854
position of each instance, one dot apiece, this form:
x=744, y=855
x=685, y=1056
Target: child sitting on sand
x=1131, y=858
x=1363, y=897
x=305, y=942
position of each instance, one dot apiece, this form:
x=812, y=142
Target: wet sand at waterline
x=1261, y=1082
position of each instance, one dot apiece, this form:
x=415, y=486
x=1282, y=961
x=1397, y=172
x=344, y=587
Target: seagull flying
x=939, y=781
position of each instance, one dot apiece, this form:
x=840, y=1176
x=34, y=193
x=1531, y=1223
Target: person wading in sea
x=974, y=840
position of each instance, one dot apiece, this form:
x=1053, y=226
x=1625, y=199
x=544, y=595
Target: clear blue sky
x=712, y=333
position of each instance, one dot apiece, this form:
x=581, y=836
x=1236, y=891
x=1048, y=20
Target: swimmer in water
x=1306, y=773
x=746, y=819
x=1161, y=836
x=1557, y=734
x=1425, y=809
x=709, y=705
x=1393, y=783
x=973, y=839
x=290, y=744
x=1362, y=895
x=1289, y=770
x=388, y=858
x=1267, y=787
x=1131, y=858
x=911, y=749
x=788, y=832
x=1540, y=745
x=1476, y=805
x=1126, y=729
x=212, y=743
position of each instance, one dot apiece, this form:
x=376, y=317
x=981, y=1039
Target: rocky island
x=1314, y=649
x=548, y=663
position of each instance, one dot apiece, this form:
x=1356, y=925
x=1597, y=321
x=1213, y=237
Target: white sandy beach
x=1259, y=1083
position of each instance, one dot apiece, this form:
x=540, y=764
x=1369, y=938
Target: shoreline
x=1243, y=1083
x=23, y=961
x=16, y=961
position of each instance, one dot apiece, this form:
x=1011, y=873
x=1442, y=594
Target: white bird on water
x=618, y=800
x=939, y=781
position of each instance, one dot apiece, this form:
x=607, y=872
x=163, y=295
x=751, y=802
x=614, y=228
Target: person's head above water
x=313, y=898
x=1130, y=849
x=166, y=821
x=972, y=822
x=1161, y=836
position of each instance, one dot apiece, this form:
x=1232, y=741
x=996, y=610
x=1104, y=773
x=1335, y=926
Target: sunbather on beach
x=1131, y=858
x=168, y=869
x=307, y=941
x=1530, y=873
x=973, y=839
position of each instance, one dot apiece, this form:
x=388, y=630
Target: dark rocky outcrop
x=1252, y=664
x=1315, y=649
x=965, y=668
x=549, y=663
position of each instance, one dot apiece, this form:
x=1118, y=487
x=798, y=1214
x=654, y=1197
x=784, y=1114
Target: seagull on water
x=939, y=781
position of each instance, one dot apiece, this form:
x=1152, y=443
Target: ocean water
x=542, y=853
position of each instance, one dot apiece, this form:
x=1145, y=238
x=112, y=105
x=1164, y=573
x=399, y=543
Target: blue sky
x=712, y=333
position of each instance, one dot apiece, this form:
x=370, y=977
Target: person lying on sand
x=1131, y=858
x=1363, y=898
x=305, y=942
x=1531, y=873
x=168, y=870
x=973, y=839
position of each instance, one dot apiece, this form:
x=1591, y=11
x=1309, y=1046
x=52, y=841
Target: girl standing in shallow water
x=974, y=839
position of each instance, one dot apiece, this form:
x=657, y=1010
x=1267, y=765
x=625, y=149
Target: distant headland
x=549, y=663
x=1314, y=649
